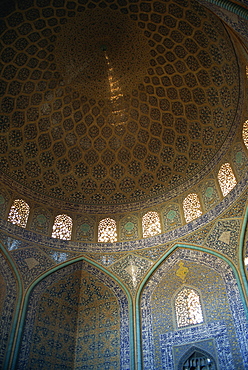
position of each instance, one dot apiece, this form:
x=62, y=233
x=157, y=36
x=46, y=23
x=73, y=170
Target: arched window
x=191, y=207
x=151, y=224
x=62, y=227
x=19, y=213
x=226, y=178
x=245, y=133
x=107, y=231
x=188, y=308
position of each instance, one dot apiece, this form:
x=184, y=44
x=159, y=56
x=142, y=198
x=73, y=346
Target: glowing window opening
x=191, y=207
x=62, y=227
x=245, y=133
x=188, y=308
x=151, y=224
x=107, y=231
x=19, y=213
x=226, y=178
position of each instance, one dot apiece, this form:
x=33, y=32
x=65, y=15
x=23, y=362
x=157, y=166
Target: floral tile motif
x=31, y=262
x=224, y=237
x=131, y=269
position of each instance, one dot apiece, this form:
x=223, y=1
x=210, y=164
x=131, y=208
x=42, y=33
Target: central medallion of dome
x=117, y=104
x=100, y=44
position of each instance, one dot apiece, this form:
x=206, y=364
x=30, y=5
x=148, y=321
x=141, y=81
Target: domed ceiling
x=113, y=101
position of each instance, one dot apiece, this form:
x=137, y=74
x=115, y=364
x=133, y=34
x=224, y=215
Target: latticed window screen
x=19, y=213
x=199, y=360
x=151, y=224
x=191, y=207
x=188, y=308
x=226, y=178
x=245, y=133
x=62, y=227
x=107, y=231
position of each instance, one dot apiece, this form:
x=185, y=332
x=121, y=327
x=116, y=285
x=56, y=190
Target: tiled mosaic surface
x=237, y=209
x=226, y=305
x=239, y=159
x=8, y=290
x=171, y=217
x=53, y=313
x=98, y=328
x=85, y=229
x=41, y=220
x=222, y=236
x=53, y=325
x=154, y=254
x=105, y=259
x=198, y=237
x=129, y=228
x=236, y=22
x=209, y=194
x=4, y=202
x=58, y=256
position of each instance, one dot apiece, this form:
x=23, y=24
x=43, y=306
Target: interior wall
x=76, y=318
x=224, y=319
x=98, y=328
x=8, y=301
x=50, y=327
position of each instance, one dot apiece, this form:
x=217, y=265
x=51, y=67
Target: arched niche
x=225, y=321
x=77, y=317
x=197, y=358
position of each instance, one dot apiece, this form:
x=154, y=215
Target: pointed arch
x=237, y=302
x=115, y=284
